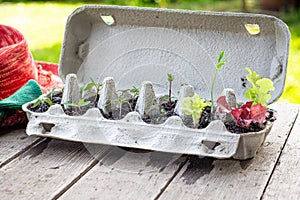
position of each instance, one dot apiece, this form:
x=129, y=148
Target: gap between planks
x=68, y=186
x=279, y=156
x=15, y=142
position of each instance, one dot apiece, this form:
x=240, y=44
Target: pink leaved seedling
x=247, y=114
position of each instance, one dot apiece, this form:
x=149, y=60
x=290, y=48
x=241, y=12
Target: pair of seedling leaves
x=253, y=111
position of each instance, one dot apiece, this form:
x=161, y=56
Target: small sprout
x=194, y=106
x=121, y=101
x=51, y=93
x=135, y=91
x=170, y=79
x=219, y=64
x=261, y=87
x=81, y=103
x=162, y=112
x=89, y=86
x=42, y=101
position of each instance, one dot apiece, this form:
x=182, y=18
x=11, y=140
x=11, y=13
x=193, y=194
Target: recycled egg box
x=134, y=45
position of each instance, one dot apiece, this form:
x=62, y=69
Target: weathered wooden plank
x=127, y=175
x=285, y=182
x=46, y=170
x=14, y=142
x=232, y=179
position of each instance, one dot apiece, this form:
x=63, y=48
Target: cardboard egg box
x=139, y=47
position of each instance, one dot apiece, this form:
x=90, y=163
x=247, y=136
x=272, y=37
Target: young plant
x=42, y=101
x=51, y=93
x=219, y=64
x=121, y=101
x=81, y=103
x=244, y=116
x=194, y=106
x=249, y=113
x=170, y=79
x=261, y=87
x=135, y=91
x=89, y=86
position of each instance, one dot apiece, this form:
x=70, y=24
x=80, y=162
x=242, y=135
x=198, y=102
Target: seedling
x=170, y=79
x=194, y=106
x=135, y=91
x=81, y=103
x=89, y=86
x=219, y=64
x=42, y=101
x=121, y=101
x=261, y=87
x=51, y=93
x=247, y=114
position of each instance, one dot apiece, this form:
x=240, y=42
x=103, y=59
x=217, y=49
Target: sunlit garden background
x=43, y=24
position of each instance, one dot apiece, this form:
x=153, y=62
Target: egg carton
x=138, y=44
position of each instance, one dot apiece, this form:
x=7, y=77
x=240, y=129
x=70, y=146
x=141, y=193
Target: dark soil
x=132, y=103
x=254, y=127
x=43, y=107
x=167, y=111
x=233, y=128
x=205, y=118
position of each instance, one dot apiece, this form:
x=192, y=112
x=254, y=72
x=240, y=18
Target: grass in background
x=43, y=26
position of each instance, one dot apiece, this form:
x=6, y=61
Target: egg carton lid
x=135, y=44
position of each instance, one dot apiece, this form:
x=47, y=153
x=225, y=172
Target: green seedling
x=260, y=92
x=194, y=106
x=81, y=103
x=42, y=101
x=135, y=91
x=51, y=93
x=219, y=64
x=89, y=86
x=121, y=101
x=170, y=79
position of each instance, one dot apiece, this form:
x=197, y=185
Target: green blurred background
x=43, y=25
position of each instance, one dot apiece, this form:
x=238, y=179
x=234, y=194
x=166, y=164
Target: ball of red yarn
x=16, y=63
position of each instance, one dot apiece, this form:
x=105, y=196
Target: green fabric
x=30, y=91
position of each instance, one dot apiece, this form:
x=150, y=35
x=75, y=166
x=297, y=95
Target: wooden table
x=41, y=168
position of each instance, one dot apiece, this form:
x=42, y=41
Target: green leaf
x=48, y=101
x=122, y=100
x=261, y=87
x=219, y=65
x=135, y=91
x=170, y=77
x=51, y=93
x=252, y=77
x=70, y=104
x=87, y=87
x=38, y=102
x=194, y=106
x=166, y=96
x=265, y=85
x=220, y=56
x=81, y=103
